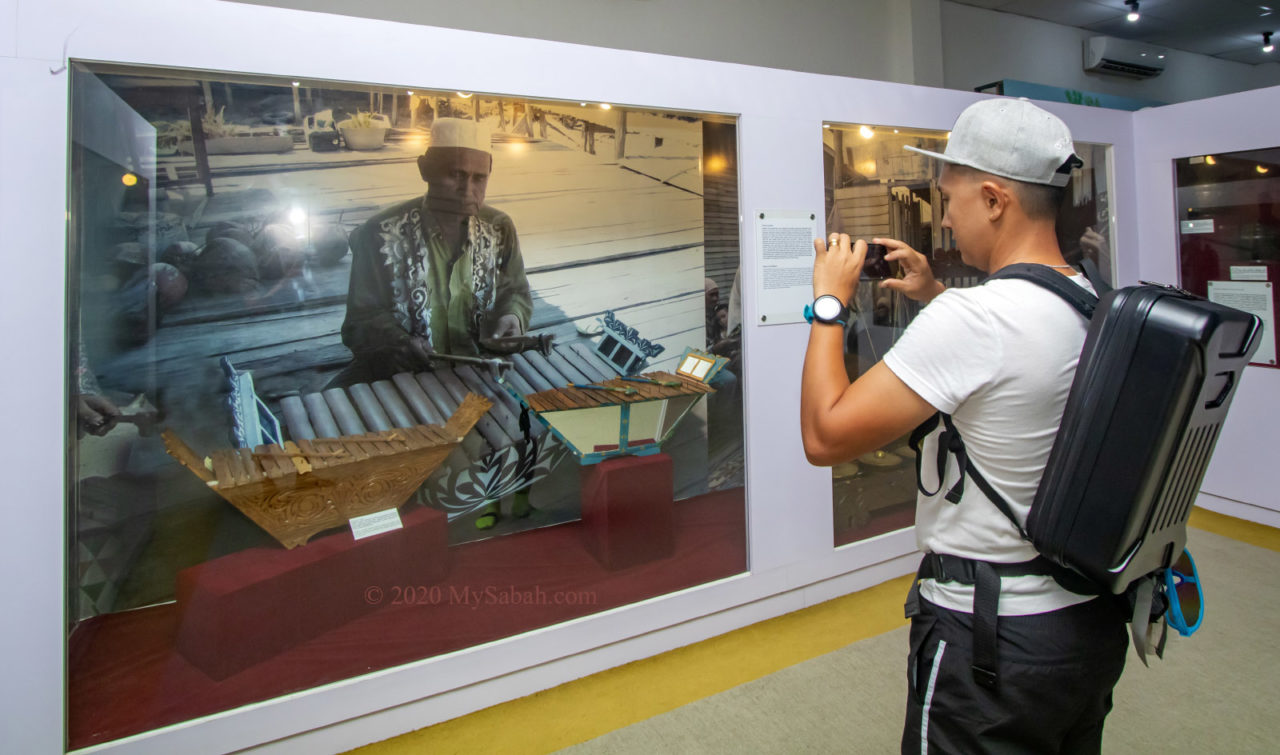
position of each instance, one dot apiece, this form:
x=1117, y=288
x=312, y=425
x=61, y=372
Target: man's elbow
x=819, y=452
x=818, y=459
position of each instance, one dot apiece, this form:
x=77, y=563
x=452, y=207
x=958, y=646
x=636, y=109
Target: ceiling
x=1227, y=29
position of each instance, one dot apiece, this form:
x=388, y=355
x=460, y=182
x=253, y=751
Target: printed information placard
x=785, y=278
x=1256, y=299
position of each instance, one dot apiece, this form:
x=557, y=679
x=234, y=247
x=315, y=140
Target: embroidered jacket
x=407, y=281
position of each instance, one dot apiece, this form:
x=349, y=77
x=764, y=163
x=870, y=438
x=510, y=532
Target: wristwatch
x=827, y=310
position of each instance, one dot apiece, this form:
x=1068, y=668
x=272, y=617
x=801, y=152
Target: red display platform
x=281, y=598
x=628, y=513
x=125, y=676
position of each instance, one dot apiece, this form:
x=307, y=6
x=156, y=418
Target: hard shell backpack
x=1155, y=378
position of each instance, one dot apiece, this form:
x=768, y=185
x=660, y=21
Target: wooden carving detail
x=468, y=413
x=298, y=491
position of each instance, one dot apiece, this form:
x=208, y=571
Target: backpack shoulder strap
x=1043, y=276
x=967, y=469
x=1094, y=276
x=951, y=444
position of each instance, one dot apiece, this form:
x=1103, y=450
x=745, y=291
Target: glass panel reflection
x=306, y=318
x=875, y=188
x=1228, y=209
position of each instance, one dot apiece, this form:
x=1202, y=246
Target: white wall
x=8, y=28
x=1244, y=478
x=842, y=37
x=981, y=46
x=792, y=561
x=927, y=42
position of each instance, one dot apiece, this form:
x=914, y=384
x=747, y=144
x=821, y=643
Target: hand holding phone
x=876, y=267
x=917, y=281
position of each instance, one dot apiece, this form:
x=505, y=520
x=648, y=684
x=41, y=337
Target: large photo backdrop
x=276, y=283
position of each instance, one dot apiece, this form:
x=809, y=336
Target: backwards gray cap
x=1011, y=138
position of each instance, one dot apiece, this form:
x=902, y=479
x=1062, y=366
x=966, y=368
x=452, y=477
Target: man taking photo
x=998, y=358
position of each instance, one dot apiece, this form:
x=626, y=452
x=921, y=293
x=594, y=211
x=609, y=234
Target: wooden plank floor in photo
x=594, y=238
x=567, y=206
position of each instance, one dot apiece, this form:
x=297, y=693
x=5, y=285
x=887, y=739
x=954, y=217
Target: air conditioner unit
x=1123, y=57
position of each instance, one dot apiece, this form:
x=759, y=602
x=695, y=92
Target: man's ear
x=996, y=198
x=423, y=168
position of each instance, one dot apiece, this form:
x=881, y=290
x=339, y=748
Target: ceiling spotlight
x=1133, y=9
x=1266, y=42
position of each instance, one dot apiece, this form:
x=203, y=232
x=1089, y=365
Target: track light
x=1266, y=42
x=1133, y=10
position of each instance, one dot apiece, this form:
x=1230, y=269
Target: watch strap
x=840, y=319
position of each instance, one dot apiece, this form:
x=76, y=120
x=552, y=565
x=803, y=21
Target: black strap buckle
x=942, y=567
x=985, y=678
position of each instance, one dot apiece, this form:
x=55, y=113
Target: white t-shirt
x=999, y=358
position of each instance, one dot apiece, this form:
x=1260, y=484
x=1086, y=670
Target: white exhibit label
x=1248, y=273
x=1198, y=226
x=1256, y=299
x=376, y=523
x=784, y=240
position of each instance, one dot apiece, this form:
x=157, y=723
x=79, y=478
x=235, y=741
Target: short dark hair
x=1039, y=201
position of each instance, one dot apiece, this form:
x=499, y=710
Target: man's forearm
x=822, y=383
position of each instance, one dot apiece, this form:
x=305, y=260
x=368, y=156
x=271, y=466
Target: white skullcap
x=460, y=132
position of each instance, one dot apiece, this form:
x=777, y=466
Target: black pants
x=1056, y=673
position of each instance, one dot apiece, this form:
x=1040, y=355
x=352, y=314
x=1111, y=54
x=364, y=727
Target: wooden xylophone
x=651, y=386
x=306, y=486
x=503, y=455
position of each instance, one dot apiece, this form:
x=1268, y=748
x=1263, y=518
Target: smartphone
x=875, y=266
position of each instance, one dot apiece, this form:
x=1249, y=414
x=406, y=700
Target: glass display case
x=306, y=320
x=1228, y=210
x=875, y=188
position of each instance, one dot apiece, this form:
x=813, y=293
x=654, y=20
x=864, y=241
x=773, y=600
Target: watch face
x=827, y=308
